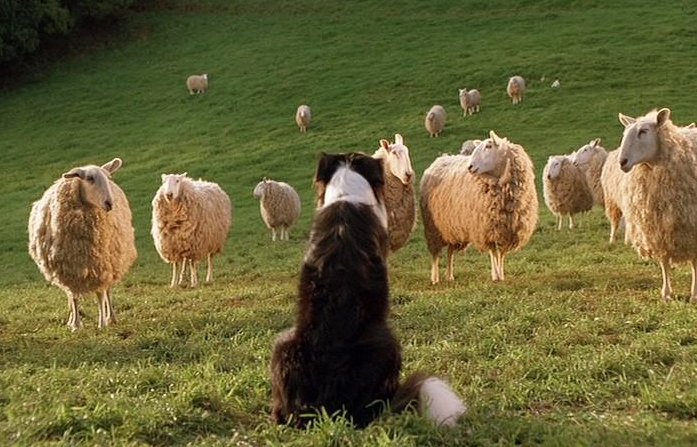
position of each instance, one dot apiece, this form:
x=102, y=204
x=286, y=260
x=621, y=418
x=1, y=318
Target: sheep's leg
x=287, y=233
x=693, y=288
x=111, y=314
x=209, y=274
x=449, y=276
x=666, y=290
x=182, y=272
x=435, y=258
x=494, y=266
x=273, y=234
x=174, y=275
x=102, y=305
x=74, y=318
x=571, y=222
x=500, y=264
x=477, y=108
x=613, y=230
x=560, y=222
x=193, y=266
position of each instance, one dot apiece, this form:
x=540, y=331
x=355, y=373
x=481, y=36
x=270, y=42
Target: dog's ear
x=326, y=167
x=370, y=168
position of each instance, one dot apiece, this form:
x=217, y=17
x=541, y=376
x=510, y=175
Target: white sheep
x=516, y=89
x=81, y=237
x=590, y=159
x=400, y=196
x=197, y=83
x=302, y=117
x=468, y=146
x=470, y=101
x=612, y=180
x=279, y=204
x=435, y=120
x=556, y=83
x=190, y=221
x=565, y=189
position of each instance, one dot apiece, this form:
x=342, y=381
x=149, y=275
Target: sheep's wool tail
x=439, y=403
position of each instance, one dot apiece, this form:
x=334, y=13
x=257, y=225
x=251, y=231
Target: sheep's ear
x=596, y=142
x=398, y=139
x=113, y=165
x=663, y=116
x=461, y=90
x=185, y=174
x=75, y=172
x=385, y=145
x=496, y=139
x=691, y=126
x=163, y=177
x=626, y=120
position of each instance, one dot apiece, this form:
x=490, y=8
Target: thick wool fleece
x=400, y=203
x=612, y=180
x=593, y=170
x=279, y=204
x=568, y=193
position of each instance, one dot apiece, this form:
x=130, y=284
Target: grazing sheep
x=470, y=101
x=516, y=89
x=590, y=159
x=190, y=221
x=661, y=192
x=469, y=146
x=400, y=197
x=302, y=117
x=612, y=180
x=197, y=83
x=81, y=237
x=341, y=355
x=565, y=189
x=487, y=199
x=435, y=120
x=279, y=204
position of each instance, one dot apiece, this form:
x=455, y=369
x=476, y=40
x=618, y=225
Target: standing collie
x=341, y=354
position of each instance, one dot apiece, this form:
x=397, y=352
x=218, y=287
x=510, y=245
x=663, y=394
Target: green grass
x=575, y=348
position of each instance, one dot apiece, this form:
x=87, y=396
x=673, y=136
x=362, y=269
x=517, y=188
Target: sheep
x=190, y=221
x=660, y=203
x=197, y=83
x=400, y=198
x=590, y=158
x=435, y=120
x=487, y=199
x=516, y=89
x=470, y=101
x=565, y=189
x=279, y=204
x=612, y=180
x=81, y=237
x=556, y=83
x=302, y=117
x=469, y=146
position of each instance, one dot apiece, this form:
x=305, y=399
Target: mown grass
x=574, y=349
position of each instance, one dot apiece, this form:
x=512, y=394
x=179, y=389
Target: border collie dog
x=341, y=355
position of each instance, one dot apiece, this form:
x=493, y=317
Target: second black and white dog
x=341, y=355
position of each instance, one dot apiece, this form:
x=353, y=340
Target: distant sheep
x=661, y=192
x=590, y=158
x=197, y=83
x=516, y=89
x=565, y=189
x=487, y=199
x=556, y=83
x=190, y=222
x=302, y=117
x=435, y=120
x=469, y=146
x=470, y=101
x=81, y=237
x=612, y=180
x=279, y=204
x=400, y=197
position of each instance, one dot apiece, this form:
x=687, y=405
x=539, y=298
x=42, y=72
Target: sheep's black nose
x=108, y=205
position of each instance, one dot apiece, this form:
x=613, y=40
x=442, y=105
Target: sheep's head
x=205, y=76
x=259, y=189
x=172, y=186
x=469, y=146
x=490, y=156
x=640, y=138
x=95, y=186
x=396, y=158
x=553, y=167
x=463, y=92
x=584, y=154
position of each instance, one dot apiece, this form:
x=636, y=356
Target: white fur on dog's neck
x=350, y=186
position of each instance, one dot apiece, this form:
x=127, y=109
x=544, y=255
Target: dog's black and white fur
x=341, y=355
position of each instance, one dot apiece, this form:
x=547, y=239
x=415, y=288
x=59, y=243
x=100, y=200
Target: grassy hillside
x=575, y=347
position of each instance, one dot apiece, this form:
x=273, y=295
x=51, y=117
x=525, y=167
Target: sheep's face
x=469, y=146
x=585, y=153
x=488, y=156
x=553, y=168
x=95, y=183
x=397, y=159
x=640, y=138
x=172, y=186
x=259, y=189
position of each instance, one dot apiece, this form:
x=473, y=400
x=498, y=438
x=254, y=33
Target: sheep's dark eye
x=90, y=179
x=642, y=131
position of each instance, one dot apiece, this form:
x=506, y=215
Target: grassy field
x=575, y=348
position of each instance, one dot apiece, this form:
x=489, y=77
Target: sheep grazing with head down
x=302, y=117
x=280, y=206
x=590, y=159
x=516, y=89
x=469, y=101
x=612, y=180
x=190, y=222
x=435, y=120
x=660, y=203
x=197, y=83
x=487, y=199
x=565, y=189
x=468, y=146
x=81, y=237
x=400, y=197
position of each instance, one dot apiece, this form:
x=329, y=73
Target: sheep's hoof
x=667, y=298
x=693, y=300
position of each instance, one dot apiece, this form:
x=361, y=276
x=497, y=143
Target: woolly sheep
x=565, y=189
x=190, y=221
x=661, y=192
x=435, y=120
x=469, y=146
x=470, y=101
x=590, y=159
x=81, y=237
x=279, y=204
x=302, y=117
x=516, y=89
x=612, y=180
x=400, y=198
x=197, y=83
x=487, y=199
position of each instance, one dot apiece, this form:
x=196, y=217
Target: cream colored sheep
x=279, y=204
x=661, y=192
x=470, y=101
x=435, y=120
x=197, y=83
x=590, y=158
x=302, y=117
x=487, y=199
x=468, y=146
x=190, y=222
x=81, y=237
x=516, y=89
x=612, y=180
x=565, y=189
x=400, y=197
